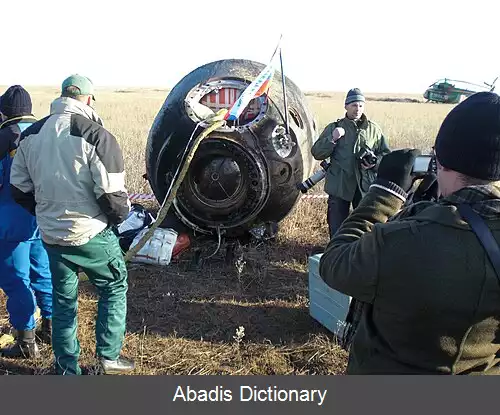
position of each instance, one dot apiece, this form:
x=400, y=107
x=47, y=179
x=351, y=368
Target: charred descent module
x=243, y=174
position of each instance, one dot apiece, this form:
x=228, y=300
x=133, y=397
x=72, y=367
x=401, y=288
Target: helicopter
x=450, y=91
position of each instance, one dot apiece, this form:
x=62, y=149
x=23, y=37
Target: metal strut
x=287, y=126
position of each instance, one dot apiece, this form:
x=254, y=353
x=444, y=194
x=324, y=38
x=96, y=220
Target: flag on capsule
x=259, y=86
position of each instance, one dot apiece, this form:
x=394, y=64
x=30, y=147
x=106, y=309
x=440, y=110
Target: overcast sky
x=376, y=45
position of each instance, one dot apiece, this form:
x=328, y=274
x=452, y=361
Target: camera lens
x=302, y=187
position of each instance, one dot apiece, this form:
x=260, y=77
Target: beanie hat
x=468, y=140
x=15, y=102
x=354, y=95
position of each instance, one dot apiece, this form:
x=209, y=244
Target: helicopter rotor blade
x=492, y=85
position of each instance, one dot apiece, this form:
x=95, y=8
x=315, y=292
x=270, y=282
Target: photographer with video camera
x=355, y=146
x=429, y=276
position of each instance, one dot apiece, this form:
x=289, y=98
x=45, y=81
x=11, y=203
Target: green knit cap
x=354, y=95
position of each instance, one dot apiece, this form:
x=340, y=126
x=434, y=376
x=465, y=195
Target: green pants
x=102, y=260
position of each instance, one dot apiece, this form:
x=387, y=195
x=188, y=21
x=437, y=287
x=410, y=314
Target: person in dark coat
x=347, y=143
x=24, y=265
x=431, y=294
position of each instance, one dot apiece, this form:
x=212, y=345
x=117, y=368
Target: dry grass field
x=183, y=320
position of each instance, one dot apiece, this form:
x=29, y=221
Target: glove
x=397, y=166
x=427, y=189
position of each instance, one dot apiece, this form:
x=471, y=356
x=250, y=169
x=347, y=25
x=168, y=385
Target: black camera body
x=424, y=164
x=368, y=156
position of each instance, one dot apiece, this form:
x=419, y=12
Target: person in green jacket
x=345, y=141
x=431, y=294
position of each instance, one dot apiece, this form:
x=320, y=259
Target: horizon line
x=166, y=88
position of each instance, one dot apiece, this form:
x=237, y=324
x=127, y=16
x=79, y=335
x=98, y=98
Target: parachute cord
x=214, y=122
x=218, y=244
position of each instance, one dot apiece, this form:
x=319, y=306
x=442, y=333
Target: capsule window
x=225, y=97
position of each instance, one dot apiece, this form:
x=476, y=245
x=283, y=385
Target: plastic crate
x=326, y=305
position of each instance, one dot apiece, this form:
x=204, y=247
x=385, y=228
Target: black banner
x=248, y=394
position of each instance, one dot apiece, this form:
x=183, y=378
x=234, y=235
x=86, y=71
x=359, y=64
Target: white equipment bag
x=158, y=249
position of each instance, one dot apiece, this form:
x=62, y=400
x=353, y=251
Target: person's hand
x=428, y=189
x=397, y=166
x=337, y=134
x=367, y=166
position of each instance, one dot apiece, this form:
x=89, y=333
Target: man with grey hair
x=69, y=171
x=355, y=146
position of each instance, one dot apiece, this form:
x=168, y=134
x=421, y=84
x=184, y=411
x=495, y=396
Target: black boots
x=24, y=348
x=46, y=331
x=116, y=367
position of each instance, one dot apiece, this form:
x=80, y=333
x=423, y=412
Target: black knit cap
x=468, y=140
x=16, y=101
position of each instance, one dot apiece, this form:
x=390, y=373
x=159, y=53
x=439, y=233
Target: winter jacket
x=69, y=170
x=16, y=224
x=345, y=172
x=433, y=298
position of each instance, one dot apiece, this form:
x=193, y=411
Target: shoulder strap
x=483, y=234
x=337, y=122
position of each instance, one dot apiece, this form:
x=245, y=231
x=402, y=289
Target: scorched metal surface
x=244, y=174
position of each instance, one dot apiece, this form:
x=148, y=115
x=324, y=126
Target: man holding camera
x=429, y=275
x=355, y=146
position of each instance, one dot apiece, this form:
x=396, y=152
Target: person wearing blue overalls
x=24, y=265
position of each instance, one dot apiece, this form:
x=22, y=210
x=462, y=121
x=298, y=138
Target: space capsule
x=243, y=174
